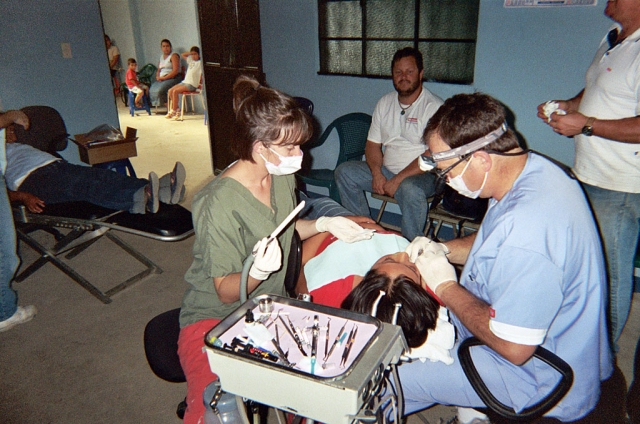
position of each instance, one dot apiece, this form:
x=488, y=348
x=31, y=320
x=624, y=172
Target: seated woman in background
x=354, y=276
x=167, y=74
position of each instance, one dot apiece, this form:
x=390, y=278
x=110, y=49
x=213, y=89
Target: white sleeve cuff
x=519, y=335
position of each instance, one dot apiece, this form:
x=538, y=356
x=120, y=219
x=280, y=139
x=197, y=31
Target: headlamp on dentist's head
x=428, y=162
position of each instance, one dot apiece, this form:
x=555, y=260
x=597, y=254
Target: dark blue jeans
x=64, y=182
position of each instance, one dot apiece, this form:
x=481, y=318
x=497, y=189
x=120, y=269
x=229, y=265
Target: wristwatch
x=588, y=127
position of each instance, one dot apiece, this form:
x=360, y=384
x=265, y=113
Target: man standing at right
x=603, y=119
x=397, y=124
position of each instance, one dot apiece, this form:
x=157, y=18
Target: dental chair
x=75, y=226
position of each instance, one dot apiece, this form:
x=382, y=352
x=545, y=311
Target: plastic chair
x=190, y=95
x=132, y=103
x=146, y=75
x=352, y=129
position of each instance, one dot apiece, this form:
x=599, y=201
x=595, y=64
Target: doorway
x=137, y=28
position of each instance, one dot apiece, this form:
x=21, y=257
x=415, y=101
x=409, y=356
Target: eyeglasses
x=441, y=175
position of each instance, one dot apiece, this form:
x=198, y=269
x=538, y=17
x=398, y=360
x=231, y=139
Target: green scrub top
x=228, y=222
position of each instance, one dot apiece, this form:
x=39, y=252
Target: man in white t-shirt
x=393, y=146
x=605, y=123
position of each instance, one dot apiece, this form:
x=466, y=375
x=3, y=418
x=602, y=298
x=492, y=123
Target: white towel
x=439, y=341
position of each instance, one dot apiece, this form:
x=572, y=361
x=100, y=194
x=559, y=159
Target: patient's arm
x=33, y=203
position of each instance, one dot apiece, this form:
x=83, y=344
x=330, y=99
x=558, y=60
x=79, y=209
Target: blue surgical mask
x=288, y=164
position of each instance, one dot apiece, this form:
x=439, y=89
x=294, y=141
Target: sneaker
x=22, y=315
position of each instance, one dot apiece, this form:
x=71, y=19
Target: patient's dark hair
x=418, y=313
x=265, y=115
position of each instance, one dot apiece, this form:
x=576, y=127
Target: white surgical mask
x=458, y=184
x=288, y=164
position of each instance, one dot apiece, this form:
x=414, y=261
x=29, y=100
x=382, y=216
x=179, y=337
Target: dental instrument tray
x=312, y=360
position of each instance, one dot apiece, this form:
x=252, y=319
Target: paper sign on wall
x=547, y=3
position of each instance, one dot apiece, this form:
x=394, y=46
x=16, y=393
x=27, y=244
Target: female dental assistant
x=234, y=214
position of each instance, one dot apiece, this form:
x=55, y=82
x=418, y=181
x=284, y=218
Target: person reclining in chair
x=36, y=178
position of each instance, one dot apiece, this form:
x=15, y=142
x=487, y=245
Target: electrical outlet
x=66, y=50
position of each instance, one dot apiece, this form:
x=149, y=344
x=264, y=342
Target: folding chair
x=87, y=222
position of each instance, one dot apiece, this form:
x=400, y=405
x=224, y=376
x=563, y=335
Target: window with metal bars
x=359, y=37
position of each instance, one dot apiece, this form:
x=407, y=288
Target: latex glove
x=343, y=229
x=435, y=269
x=420, y=245
x=268, y=258
x=550, y=108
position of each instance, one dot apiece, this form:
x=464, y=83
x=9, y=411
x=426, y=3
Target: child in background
x=191, y=81
x=134, y=85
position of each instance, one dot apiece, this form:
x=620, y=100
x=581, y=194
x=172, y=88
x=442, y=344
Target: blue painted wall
x=524, y=57
x=35, y=73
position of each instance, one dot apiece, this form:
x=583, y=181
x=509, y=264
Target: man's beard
x=412, y=89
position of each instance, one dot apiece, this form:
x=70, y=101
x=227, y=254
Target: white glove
x=344, y=229
x=435, y=269
x=419, y=245
x=268, y=258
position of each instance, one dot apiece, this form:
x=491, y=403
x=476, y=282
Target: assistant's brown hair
x=464, y=118
x=265, y=115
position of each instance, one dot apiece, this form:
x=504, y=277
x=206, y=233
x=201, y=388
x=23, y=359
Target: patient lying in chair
x=376, y=277
x=36, y=178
